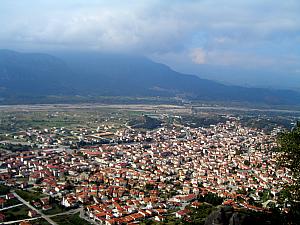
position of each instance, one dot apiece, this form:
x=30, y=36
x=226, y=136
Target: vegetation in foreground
x=289, y=146
x=73, y=219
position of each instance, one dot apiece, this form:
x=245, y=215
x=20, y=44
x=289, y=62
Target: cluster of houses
x=143, y=175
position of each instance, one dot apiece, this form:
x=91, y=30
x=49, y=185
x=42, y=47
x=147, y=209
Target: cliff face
x=221, y=216
x=228, y=216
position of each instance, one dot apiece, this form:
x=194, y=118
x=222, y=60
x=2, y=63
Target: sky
x=242, y=38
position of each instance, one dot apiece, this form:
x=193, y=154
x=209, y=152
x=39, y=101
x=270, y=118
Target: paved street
x=19, y=221
x=10, y=207
x=38, y=211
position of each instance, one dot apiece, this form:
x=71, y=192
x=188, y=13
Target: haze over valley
x=29, y=76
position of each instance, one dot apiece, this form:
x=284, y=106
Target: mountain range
x=26, y=76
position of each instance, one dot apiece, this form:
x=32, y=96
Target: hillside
x=26, y=76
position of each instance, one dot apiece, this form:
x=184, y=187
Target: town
x=104, y=175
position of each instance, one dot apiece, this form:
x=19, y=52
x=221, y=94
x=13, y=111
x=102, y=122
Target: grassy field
x=4, y=189
x=70, y=220
x=30, y=195
x=112, y=117
x=11, y=202
x=39, y=222
x=55, y=209
x=17, y=213
x=13, y=121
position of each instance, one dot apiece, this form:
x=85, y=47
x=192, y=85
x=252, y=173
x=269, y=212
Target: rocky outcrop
x=228, y=216
x=221, y=216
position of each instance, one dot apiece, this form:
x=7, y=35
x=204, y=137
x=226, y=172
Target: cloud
x=138, y=28
x=297, y=71
x=198, y=56
x=219, y=31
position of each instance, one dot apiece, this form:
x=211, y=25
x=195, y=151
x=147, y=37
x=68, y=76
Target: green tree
x=4, y=189
x=247, y=162
x=289, y=157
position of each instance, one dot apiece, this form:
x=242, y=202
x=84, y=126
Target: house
x=159, y=218
x=181, y=213
x=24, y=185
x=10, y=196
x=69, y=201
x=137, y=216
x=45, y=201
x=160, y=211
x=46, y=207
x=25, y=223
x=2, y=217
x=32, y=213
x=111, y=222
x=36, y=204
x=2, y=201
x=196, y=204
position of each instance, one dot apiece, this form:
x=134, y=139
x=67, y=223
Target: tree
x=247, y=162
x=289, y=157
